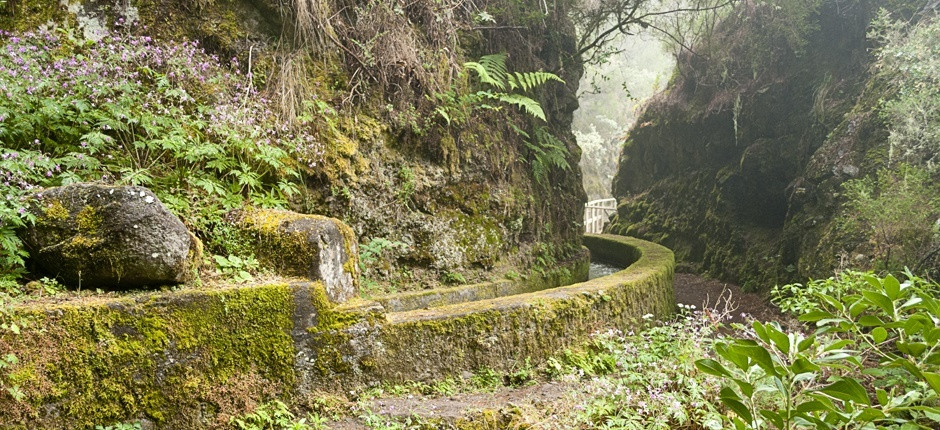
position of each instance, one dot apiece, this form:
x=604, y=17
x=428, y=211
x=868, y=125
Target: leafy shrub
x=878, y=342
x=909, y=58
x=899, y=211
x=131, y=110
x=798, y=299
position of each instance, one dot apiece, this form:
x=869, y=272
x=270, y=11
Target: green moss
x=88, y=220
x=160, y=359
x=289, y=250
x=27, y=15
x=55, y=212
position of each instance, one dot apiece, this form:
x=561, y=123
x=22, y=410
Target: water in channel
x=600, y=268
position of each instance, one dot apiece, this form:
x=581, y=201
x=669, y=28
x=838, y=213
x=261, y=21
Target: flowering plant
x=129, y=109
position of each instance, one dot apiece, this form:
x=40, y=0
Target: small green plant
x=407, y=187
x=49, y=287
x=9, y=285
x=376, y=250
x=237, y=268
x=547, y=152
x=9, y=323
x=275, y=416
x=521, y=374
x=454, y=278
x=486, y=379
x=444, y=387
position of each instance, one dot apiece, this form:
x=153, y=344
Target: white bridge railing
x=597, y=213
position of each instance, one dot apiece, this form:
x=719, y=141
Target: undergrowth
x=131, y=110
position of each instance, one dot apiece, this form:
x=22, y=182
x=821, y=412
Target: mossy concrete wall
x=576, y=269
x=369, y=346
x=191, y=359
x=181, y=360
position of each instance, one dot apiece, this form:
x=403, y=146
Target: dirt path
x=709, y=293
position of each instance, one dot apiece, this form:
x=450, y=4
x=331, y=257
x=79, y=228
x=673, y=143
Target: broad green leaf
x=881, y=301
x=847, y=389
x=802, y=365
x=873, y=281
x=870, y=321
x=712, y=367
x=758, y=354
x=912, y=348
x=746, y=388
x=882, y=396
x=776, y=418
x=733, y=402
x=810, y=406
x=892, y=287
x=870, y=414
x=780, y=340
x=815, y=316
x=933, y=379
x=879, y=334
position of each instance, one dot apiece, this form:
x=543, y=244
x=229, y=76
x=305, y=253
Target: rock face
x=738, y=165
x=310, y=246
x=98, y=236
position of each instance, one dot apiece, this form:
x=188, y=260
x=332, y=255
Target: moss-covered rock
x=97, y=236
x=311, y=246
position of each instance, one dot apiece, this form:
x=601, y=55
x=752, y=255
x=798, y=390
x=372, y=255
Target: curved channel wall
x=191, y=359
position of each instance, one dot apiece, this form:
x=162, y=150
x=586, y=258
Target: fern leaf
x=496, y=65
x=443, y=113
x=527, y=104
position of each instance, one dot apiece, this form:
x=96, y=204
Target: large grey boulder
x=310, y=246
x=108, y=237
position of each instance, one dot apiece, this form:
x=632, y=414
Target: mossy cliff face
x=462, y=197
x=737, y=166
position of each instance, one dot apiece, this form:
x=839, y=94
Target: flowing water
x=599, y=268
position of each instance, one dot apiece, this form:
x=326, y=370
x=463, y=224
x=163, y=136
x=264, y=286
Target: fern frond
x=546, y=152
x=491, y=69
x=531, y=80
x=527, y=104
x=496, y=65
x=556, y=153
